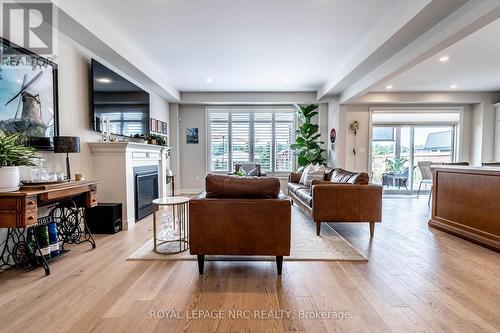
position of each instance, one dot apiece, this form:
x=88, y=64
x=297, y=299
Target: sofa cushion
x=218, y=186
x=344, y=176
x=314, y=175
x=308, y=168
x=255, y=172
x=305, y=196
x=293, y=187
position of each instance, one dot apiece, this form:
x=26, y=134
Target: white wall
x=189, y=161
x=74, y=111
x=497, y=132
x=478, y=137
x=192, y=158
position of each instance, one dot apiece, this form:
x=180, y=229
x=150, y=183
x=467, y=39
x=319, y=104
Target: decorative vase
x=9, y=178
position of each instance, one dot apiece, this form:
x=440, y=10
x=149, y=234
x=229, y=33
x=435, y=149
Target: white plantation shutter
x=240, y=142
x=263, y=145
x=219, y=141
x=283, y=140
x=251, y=136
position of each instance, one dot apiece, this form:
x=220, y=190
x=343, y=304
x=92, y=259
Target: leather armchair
x=240, y=216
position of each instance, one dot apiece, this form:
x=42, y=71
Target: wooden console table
x=466, y=203
x=19, y=213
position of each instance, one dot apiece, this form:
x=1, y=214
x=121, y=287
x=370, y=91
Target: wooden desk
x=19, y=209
x=19, y=213
x=466, y=203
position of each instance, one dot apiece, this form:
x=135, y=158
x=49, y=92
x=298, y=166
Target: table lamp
x=67, y=144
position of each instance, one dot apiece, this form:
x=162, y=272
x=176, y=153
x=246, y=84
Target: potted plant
x=307, y=146
x=13, y=154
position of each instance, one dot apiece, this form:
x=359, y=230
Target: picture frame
x=192, y=135
x=154, y=125
x=165, y=128
x=29, y=95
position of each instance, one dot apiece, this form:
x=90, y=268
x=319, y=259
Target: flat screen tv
x=125, y=104
x=28, y=95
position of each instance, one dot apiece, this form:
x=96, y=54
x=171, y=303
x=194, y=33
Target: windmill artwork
x=27, y=98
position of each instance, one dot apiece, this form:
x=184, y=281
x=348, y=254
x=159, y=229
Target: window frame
x=252, y=110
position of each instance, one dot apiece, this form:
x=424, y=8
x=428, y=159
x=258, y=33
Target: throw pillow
x=253, y=173
x=305, y=171
x=314, y=175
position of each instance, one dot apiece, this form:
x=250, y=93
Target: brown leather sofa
x=240, y=216
x=342, y=196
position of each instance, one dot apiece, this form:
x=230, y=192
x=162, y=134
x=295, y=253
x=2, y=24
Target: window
x=251, y=136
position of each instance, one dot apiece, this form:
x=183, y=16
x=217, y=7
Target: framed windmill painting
x=28, y=94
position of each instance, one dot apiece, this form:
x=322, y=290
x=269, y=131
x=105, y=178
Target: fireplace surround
x=113, y=167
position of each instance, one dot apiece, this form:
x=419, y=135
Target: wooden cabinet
x=466, y=203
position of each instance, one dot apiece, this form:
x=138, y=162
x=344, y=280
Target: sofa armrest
x=334, y=202
x=294, y=177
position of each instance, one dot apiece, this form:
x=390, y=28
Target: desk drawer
x=30, y=218
x=30, y=204
x=17, y=219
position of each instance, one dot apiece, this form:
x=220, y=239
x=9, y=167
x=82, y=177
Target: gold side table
x=175, y=229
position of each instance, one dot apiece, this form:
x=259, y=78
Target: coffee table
x=175, y=229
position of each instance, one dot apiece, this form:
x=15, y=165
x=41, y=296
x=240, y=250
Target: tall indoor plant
x=307, y=146
x=13, y=154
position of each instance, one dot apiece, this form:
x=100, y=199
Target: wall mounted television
x=125, y=104
x=28, y=95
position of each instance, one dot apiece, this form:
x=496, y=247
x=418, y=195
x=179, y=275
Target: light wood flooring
x=417, y=279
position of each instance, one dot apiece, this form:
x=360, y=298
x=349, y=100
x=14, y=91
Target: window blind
x=251, y=136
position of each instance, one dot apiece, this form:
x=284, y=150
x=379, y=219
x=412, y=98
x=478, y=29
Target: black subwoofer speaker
x=105, y=218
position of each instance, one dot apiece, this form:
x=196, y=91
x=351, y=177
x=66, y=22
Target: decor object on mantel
x=67, y=144
x=13, y=154
x=306, y=146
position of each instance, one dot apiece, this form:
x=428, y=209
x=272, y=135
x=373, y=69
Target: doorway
x=397, y=150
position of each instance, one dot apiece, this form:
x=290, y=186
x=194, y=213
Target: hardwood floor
x=417, y=279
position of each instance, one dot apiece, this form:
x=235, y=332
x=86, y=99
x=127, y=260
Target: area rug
x=306, y=246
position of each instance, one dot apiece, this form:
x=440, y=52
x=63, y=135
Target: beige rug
x=306, y=246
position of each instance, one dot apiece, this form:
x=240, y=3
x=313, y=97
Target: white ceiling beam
x=464, y=21
x=385, y=45
x=248, y=98
x=146, y=76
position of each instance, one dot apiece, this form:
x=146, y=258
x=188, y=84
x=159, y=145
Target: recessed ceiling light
x=444, y=58
x=103, y=80
x=209, y=80
x=286, y=80
x=454, y=86
x=388, y=87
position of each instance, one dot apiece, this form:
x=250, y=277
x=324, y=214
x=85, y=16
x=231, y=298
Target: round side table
x=179, y=224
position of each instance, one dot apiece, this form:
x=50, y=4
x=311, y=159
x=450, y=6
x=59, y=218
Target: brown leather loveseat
x=342, y=196
x=240, y=216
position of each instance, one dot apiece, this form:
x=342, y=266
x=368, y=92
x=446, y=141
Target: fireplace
x=146, y=190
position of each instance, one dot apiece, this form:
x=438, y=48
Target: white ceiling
x=474, y=65
x=245, y=45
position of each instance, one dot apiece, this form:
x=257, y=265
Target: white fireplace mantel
x=113, y=165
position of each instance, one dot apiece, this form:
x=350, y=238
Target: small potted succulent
x=13, y=154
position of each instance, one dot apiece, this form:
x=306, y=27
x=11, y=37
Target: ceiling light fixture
x=286, y=80
x=454, y=86
x=388, y=87
x=103, y=80
x=444, y=58
x=209, y=80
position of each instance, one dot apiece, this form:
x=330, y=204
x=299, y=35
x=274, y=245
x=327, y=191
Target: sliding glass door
x=397, y=150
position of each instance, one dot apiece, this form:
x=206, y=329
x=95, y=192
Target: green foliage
x=395, y=165
x=307, y=147
x=240, y=173
x=14, y=151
